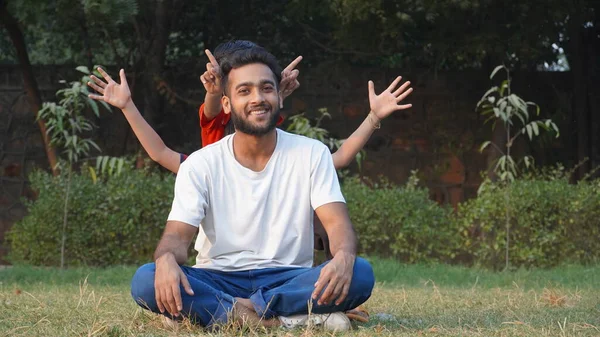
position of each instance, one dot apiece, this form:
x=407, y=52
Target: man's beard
x=243, y=125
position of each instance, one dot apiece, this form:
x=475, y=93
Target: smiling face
x=252, y=98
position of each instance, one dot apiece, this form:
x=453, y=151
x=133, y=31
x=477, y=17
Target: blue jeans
x=273, y=291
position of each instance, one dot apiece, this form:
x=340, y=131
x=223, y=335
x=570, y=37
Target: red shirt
x=211, y=131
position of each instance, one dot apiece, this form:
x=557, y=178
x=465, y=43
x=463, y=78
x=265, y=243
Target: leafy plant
x=108, y=166
x=113, y=221
x=67, y=127
x=553, y=222
x=499, y=104
x=400, y=222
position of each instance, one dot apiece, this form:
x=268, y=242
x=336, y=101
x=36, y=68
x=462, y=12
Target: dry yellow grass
x=423, y=310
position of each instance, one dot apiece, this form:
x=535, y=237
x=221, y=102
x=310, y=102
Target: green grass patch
x=409, y=300
x=28, y=276
x=571, y=276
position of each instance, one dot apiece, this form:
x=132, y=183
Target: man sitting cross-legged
x=250, y=198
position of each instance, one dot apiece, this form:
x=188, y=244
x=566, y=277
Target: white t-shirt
x=250, y=219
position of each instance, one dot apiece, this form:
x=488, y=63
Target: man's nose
x=258, y=96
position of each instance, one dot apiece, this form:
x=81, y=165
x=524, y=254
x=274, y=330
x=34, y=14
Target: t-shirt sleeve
x=206, y=123
x=182, y=157
x=324, y=183
x=191, y=196
x=211, y=131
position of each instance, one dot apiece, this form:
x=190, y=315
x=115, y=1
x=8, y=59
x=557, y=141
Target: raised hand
x=388, y=101
x=117, y=95
x=211, y=79
x=289, y=79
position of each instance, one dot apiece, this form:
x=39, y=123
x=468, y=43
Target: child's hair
x=225, y=49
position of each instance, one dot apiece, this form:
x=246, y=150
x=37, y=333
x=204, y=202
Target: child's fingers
x=123, y=78
x=98, y=81
x=401, y=89
x=215, y=72
x=105, y=75
x=403, y=96
x=211, y=58
x=96, y=87
x=293, y=65
x=395, y=83
x=371, y=90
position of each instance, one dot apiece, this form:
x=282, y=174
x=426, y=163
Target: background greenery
x=118, y=219
x=161, y=45
x=115, y=220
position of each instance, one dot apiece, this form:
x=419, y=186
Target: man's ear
x=226, y=103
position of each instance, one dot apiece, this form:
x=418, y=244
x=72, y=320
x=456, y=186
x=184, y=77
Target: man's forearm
x=212, y=105
x=336, y=221
x=342, y=239
x=171, y=243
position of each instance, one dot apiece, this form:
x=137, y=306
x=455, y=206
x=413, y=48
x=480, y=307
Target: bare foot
x=244, y=314
x=245, y=302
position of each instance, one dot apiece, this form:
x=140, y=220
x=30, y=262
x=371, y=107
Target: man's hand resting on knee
x=336, y=276
x=167, y=279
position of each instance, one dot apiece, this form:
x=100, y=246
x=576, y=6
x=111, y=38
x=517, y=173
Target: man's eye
x=268, y=89
x=243, y=91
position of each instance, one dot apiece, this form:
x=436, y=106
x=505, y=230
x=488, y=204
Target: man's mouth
x=258, y=112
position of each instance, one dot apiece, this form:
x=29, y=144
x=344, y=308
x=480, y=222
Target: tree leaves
x=110, y=166
x=484, y=145
x=508, y=107
x=66, y=122
x=83, y=69
x=498, y=68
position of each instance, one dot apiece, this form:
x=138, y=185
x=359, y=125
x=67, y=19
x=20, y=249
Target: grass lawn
x=408, y=300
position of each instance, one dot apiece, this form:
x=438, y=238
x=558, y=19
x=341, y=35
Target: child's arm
x=381, y=105
x=150, y=140
x=119, y=96
x=211, y=79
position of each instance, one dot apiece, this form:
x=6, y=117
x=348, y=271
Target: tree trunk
x=33, y=93
x=85, y=36
x=593, y=51
x=157, y=40
x=577, y=61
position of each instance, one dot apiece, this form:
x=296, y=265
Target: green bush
x=551, y=222
x=114, y=220
x=400, y=222
x=118, y=219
